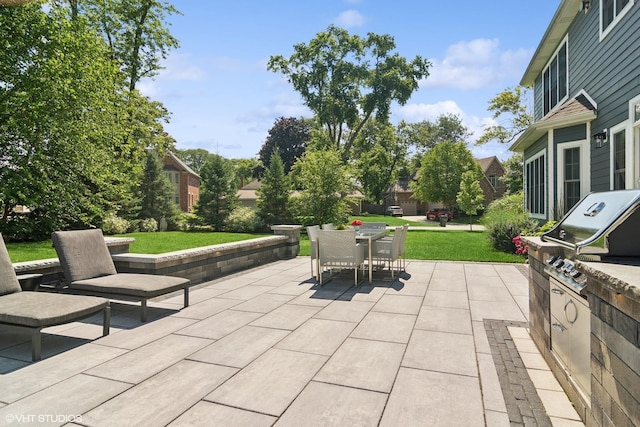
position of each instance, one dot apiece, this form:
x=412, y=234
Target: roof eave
x=535, y=131
x=556, y=31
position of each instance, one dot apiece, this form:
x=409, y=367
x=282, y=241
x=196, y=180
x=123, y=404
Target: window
x=619, y=159
x=611, y=11
x=493, y=180
x=571, y=177
x=555, y=79
x=534, y=176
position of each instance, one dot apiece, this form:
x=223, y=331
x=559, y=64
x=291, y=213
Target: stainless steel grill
x=602, y=223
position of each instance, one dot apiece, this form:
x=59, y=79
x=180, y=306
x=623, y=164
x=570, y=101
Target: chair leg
x=186, y=297
x=106, y=320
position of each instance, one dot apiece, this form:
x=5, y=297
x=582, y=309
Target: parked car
x=434, y=214
x=394, y=211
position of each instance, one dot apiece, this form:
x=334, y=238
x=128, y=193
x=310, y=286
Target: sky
x=223, y=99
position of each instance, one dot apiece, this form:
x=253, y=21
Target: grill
x=602, y=225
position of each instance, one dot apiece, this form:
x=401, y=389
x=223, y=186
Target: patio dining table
x=369, y=235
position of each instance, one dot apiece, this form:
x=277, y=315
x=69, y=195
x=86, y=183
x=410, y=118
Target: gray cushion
x=42, y=309
x=138, y=285
x=83, y=254
x=8, y=280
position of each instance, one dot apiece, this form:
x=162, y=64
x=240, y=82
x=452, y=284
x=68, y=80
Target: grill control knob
x=558, y=263
x=552, y=259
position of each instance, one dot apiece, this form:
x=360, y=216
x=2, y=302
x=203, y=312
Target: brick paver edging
x=524, y=406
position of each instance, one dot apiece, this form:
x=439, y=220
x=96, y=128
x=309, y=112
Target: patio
x=444, y=345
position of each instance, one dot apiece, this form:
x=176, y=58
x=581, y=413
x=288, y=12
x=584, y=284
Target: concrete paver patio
x=270, y=347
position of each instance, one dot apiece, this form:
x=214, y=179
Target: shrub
x=243, y=220
x=505, y=219
x=113, y=224
x=148, y=225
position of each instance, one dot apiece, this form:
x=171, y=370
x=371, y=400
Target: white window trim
x=628, y=160
x=619, y=16
x=555, y=54
x=539, y=154
x=585, y=168
x=633, y=140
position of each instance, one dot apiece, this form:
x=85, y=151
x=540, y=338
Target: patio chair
x=312, y=232
x=389, y=249
x=30, y=312
x=328, y=226
x=89, y=270
x=339, y=249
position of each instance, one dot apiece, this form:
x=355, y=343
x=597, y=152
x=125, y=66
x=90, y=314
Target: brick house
x=185, y=182
x=401, y=194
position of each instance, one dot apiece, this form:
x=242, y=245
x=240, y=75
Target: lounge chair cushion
x=83, y=254
x=42, y=309
x=8, y=280
x=138, y=285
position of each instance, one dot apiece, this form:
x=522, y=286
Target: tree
x=324, y=181
x=508, y=103
x=288, y=137
x=194, y=158
x=441, y=172
x=513, y=176
x=155, y=191
x=273, y=194
x=426, y=134
x=218, y=195
x=470, y=198
x=379, y=154
x=135, y=31
x=59, y=103
x=244, y=170
x=346, y=80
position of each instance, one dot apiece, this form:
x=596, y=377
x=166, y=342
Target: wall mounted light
x=600, y=138
x=586, y=4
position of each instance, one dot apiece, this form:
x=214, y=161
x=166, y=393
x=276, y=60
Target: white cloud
x=418, y=112
x=180, y=67
x=349, y=19
x=476, y=64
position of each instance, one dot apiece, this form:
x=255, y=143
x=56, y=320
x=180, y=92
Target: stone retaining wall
x=198, y=264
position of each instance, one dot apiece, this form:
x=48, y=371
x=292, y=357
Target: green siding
x=568, y=134
x=607, y=71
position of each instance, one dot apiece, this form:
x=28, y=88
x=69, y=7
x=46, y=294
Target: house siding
x=606, y=70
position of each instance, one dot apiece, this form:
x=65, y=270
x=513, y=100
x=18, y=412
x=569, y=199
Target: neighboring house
x=490, y=183
x=401, y=194
x=248, y=197
x=185, y=182
x=586, y=86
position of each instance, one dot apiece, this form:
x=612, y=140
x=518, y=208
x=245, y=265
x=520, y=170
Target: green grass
x=448, y=246
x=145, y=243
x=426, y=245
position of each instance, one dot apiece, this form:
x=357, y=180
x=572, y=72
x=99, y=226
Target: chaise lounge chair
x=25, y=311
x=89, y=270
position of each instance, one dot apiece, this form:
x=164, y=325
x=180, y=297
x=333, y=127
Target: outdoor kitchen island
x=612, y=292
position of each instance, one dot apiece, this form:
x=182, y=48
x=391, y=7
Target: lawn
x=393, y=221
x=424, y=244
x=145, y=243
x=449, y=246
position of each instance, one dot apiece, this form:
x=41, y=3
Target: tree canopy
x=347, y=79
x=508, y=105
x=441, y=172
x=288, y=137
x=470, y=198
x=426, y=134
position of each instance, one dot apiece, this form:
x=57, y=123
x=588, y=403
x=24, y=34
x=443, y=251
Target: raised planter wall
x=198, y=264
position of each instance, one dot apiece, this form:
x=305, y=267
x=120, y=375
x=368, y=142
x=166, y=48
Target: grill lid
x=605, y=223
